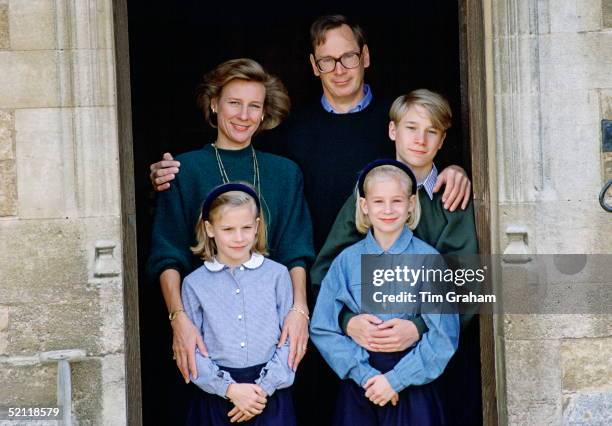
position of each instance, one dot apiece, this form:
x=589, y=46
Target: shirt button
x=239, y=317
x=237, y=290
x=242, y=344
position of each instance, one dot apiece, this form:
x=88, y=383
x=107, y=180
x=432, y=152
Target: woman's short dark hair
x=276, y=102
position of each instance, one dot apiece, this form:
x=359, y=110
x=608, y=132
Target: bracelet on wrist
x=300, y=311
x=174, y=314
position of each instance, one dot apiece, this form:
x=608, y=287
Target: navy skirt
x=418, y=405
x=211, y=410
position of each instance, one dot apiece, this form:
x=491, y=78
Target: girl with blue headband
x=382, y=388
x=238, y=300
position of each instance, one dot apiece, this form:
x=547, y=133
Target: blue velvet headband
x=385, y=162
x=222, y=189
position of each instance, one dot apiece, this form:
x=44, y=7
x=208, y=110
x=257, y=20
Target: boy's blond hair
x=436, y=105
x=206, y=248
x=362, y=221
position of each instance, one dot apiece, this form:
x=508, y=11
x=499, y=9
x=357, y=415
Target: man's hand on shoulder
x=163, y=172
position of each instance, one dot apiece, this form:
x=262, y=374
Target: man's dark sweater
x=331, y=149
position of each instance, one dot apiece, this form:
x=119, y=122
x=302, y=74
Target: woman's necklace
x=225, y=177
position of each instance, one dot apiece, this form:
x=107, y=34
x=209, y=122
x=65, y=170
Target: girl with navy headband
x=238, y=300
x=382, y=388
x=239, y=99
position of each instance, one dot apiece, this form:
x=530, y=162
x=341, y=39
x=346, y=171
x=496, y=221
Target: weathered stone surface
x=55, y=326
x=569, y=119
x=571, y=16
x=43, y=165
x=4, y=317
x=587, y=409
x=579, y=229
x=607, y=13
x=3, y=343
x=533, y=382
x=5, y=41
x=586, y=364
x=87, y=77
x=538, y=327
x=606, y=104
x=33, y=385
x=96, y=146
x=32, y=24
x=575, y=61
x=8, y=188
x=88, y=391
x=69, y=150
x=534, y=413
x=533, y=371
x=113, y=377
x=7, y=130
x=56, y=270
x=28, y=79
x=111, y=303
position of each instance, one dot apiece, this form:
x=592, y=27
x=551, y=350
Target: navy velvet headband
x=222, y=189
x=385, y=162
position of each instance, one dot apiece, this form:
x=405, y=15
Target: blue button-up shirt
x=342, y=287
x=363, y=103
x=239, y=312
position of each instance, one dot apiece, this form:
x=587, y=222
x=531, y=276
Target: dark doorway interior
x=173, y=43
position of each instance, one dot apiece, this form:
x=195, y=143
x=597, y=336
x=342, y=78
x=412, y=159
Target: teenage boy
x=419, y=121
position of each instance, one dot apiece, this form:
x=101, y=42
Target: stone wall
x=60, y=229
x=552, y=62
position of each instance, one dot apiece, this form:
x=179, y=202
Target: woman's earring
x=213, y=110
x=262, y=118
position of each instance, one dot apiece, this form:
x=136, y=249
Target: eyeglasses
x=349, y=60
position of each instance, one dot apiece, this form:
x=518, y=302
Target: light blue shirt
x=240, y=312
x=363, y=103
x=342, y=287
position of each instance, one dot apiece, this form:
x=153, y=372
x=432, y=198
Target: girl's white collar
x=254, y=262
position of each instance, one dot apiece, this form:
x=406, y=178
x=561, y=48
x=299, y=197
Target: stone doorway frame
x=474, y=117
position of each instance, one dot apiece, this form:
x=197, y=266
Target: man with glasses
x=333, y=139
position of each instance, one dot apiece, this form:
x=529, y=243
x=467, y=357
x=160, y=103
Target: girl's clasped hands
x=379, y=391
x=249, y=400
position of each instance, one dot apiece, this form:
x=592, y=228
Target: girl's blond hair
x=362, y=221
x=206, y=248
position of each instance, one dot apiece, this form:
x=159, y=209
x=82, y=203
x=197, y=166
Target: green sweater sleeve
x=171, y=234
x=459, y=238
x=295, y=246
x=343, y=234
x=451, y=233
